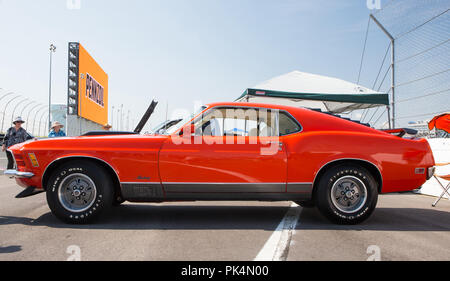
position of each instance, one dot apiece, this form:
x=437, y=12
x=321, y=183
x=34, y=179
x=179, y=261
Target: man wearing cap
x=15, y=135
x=56, y=130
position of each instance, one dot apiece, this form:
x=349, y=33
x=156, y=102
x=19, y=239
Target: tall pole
x=128, y=120
x=121, y=117
x=118, y=119
x=393, y=80
x=112, y=117
x=52, y=50
x=391, y=124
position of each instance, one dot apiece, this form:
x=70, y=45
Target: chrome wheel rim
x=349, y=194
x=77, y=193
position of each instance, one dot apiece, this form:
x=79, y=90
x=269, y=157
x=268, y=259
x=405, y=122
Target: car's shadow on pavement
x=10, y=249
x=147, y=217
x=383, y=219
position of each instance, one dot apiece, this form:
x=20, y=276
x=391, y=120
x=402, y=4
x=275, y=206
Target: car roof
x=260, y=105
x=311, y=114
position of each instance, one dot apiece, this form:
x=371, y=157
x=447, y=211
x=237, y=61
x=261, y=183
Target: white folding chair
x=446, y=189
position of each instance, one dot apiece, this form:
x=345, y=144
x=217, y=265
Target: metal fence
x=420, y=52
x=34, y=113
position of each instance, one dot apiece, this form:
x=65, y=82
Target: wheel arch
x=62, y=160
x=371, y=167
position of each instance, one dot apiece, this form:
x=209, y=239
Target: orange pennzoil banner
x=92, y=89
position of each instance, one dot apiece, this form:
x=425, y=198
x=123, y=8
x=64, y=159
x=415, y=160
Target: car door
x=233, y=150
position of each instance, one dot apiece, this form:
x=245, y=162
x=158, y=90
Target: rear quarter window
x=288, y=125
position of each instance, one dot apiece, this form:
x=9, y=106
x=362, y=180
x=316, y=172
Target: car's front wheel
x=347, y=194
x=78, y=191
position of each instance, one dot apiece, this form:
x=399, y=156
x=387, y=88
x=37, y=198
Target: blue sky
x=184, y=51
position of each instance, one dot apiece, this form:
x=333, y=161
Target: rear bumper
x=18, y=175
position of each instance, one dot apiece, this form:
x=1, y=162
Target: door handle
x=280, y=144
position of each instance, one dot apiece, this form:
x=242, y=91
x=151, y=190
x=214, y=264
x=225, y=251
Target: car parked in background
x=273, y=153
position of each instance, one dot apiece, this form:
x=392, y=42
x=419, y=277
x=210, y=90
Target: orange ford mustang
x=227, y=151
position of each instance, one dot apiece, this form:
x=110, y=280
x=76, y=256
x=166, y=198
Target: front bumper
x=18, y=175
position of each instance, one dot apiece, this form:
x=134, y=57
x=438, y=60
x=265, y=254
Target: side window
x=287, y=124
x=230, y=121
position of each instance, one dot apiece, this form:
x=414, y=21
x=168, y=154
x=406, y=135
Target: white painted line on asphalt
x=277, y=246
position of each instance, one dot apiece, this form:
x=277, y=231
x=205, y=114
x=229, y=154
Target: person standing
x=15, y=135
x=56, y=130
x=107, y=127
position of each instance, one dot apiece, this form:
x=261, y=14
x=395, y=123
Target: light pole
x=118, y=119
x=35, y=115
x=4, y=110
x=392, y=39
x=128, y=120
x=52, y=50
x=14, y=110
x=112, y=117
x=121, y=117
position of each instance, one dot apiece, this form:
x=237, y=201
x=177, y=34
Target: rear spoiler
x=400, y=132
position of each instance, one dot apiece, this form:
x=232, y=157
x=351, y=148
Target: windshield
x=186, y=119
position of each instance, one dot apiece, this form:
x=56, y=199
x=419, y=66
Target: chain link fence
x=421, y=33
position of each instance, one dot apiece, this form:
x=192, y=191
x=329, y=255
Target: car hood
x=93, y=142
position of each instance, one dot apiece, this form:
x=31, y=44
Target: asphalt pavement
x=403, y=227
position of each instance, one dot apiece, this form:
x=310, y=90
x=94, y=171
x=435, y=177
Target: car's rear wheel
x=347, y=194
x=79, y=191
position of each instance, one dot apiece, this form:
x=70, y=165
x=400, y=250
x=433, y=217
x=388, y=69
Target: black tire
x=80, y=175
x=117, y=201
x=343, y=180
x=306, y=204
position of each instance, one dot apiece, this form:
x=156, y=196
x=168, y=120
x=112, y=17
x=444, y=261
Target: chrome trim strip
x=221, y=187
x=137, y=182
x=14, y=158
x=314, y=182
x=299, y=187
x=76, y=156
x=223, y=183
x=18, y=174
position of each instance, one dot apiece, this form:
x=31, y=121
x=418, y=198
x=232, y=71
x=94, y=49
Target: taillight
x=430, y=172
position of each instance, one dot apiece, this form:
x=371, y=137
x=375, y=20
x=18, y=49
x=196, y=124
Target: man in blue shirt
x=56, y=130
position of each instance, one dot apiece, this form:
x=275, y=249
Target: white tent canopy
x=314, y=91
